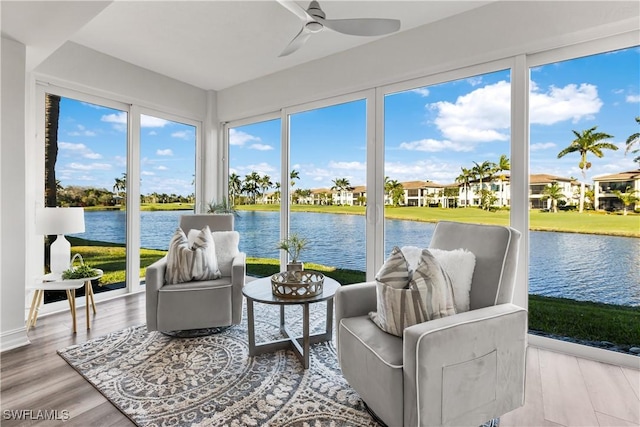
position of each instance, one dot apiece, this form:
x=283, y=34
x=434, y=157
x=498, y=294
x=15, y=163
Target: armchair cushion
x=459, y=265
x=186, y=262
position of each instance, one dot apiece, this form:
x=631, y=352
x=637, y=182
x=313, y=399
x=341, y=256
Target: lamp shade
x=59, y=220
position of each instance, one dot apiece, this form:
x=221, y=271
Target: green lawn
x=571, y=222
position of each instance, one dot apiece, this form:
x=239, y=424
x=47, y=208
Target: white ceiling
x=208, y=44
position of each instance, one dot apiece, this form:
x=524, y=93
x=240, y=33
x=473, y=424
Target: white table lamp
x=60, y=221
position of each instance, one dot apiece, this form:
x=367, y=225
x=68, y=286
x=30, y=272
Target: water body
x=584, y=267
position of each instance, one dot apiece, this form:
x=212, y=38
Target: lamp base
x=60, y=255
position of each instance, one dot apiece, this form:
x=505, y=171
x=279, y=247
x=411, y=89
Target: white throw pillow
x=226, y=249
x=459, y=265
x=188, y=262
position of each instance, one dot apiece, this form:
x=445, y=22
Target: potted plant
x=222, y=207
x=293, y=245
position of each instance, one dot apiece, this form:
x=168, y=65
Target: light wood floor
x=561, y=390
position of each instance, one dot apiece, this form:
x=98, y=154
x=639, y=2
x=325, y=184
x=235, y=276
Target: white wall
x=82, y=68
x=12, y=195
x=496, y=31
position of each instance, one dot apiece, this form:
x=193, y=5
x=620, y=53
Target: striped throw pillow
x=186, y=263
x=428, y=295
x=395, y=270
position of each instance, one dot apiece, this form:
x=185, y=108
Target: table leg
x=87, y=297
x=252, y=333
x=34, y=309
x=329, y=328
x=305, y=335
x=88, y=289
x=282, y=326
x=38, y=304
x=71, y=296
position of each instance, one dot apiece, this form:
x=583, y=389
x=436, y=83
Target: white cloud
x=165, y=152
x=89, y=166
x=261, y=168
x=475, y=81
x=183, y=134
x=559, y=104
x=118, y=118
x=434, y=146
x=422, y=91
x=152, y=133
x=359, y=166
x=82, y=131
x=152, y=122
x=162, y=168
x=542, y=146
x=238, y=137
x=436, y=171
x=80, y=149
x=479, y=116
x=261, y=147
x=147, y=173
x=633, y=99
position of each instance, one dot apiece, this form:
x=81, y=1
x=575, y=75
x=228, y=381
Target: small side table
x=260, y=291
x=53, y=282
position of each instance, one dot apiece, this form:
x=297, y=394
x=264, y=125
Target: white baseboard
x=585, y=352
x=14, y=339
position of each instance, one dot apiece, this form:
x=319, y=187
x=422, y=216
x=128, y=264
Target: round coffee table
x=260, y=291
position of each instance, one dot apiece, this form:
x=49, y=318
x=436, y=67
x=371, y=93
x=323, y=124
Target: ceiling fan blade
x=294, y=8
x=297, y=42
x=362, y=26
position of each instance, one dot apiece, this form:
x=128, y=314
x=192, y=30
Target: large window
x=85, y=166
x=328, y=171
x=446, y=156
x=167, y=182
x=133, y=174
x=584, y=243
x=254, y=190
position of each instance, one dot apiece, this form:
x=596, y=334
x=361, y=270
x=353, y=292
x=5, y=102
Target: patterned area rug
x=158, y=380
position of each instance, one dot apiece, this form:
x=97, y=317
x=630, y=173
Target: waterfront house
x=212, y=63
x=570, y=189
x=605, y=185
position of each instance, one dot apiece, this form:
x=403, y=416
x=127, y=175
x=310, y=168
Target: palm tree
x=341, y=185
x=251, y=186
x=52, y=114
x=481, y=171
x=235, y=187
x=120, y=186
x=294, y=174
x=265, y=183
x=553, y=191
x=395, y=190
x=633, y=140
x=627, y=198
x=502, y=166
x=587, y=141
x=465, y=176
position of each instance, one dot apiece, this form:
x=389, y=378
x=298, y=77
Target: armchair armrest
x=154, y=279
x=239, y=269
x=467, y=368
x=238, y=274
x=355, y=300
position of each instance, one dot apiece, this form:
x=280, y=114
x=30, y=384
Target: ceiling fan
x=314, y=22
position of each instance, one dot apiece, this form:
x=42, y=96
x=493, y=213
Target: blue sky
x=92, y=149
x=429, y=132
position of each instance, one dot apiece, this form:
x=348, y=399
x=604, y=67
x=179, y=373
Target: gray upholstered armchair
x=198, y=304
x=461, y=370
